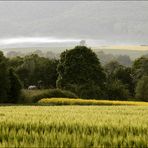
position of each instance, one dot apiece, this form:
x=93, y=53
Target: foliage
x=14, y=87
x=87, y=91
x=3, y=78
x=31, y=96
x=73, y=126
x=15, y=62
x=125, y=75
x=78, y=71
x=79, y=66
x=31, y=69
x=117, y=91
x=111, y=67
x=140, y=67
x=117, y=72
x=142, y=89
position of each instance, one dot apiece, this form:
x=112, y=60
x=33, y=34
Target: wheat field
x=73, y=126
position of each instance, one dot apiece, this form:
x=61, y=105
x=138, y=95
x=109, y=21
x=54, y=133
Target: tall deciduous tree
x=117, y=91
x=79, y=66
x=31, y=69
x=140, y=67
x=3, y=78
x=125, y=75
x=142, y=89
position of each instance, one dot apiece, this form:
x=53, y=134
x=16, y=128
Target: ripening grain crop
x=73, y=126
x=70, y=101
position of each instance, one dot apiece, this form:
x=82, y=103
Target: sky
x=45, y=23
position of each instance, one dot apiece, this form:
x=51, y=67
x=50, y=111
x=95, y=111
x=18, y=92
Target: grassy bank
x=73, y=126
x=68, y=101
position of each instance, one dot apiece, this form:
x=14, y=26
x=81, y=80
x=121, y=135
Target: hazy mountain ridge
x=55, y=51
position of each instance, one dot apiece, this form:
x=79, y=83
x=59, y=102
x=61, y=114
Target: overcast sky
x=101, y=23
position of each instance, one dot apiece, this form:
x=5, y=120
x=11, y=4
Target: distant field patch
x=128, y=47
x=69, y=101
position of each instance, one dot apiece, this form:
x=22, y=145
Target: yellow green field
x=73, y=126
x=70, y=101
x=127, y=47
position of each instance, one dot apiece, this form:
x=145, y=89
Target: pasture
x=73, y=126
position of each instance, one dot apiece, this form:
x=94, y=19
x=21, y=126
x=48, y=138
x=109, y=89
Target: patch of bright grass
x=69, y=101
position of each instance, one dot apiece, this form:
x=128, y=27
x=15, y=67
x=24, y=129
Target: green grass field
x=73, y=126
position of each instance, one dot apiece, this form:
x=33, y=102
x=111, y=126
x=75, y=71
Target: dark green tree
x=125, y=75
x=110, y=69
x=4, y=84
x=115, y=71
x=140, y=67
x=31, y=69
x=142, y=89
x=90, y=91
x=15, y=62
x=23, y=74
x=14, y=87
x=117, y=91
x=46, y=71
x=79, y=66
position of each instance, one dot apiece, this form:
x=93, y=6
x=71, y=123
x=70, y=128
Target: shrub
x=32, y=96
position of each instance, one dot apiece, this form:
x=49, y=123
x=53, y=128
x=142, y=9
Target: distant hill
x=132, y=51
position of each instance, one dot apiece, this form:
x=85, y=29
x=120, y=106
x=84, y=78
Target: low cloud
x=37, y=40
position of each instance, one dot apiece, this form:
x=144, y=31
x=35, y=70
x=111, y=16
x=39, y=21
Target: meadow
x=73, y=126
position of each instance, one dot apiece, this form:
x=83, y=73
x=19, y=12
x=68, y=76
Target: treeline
x=78, y=70
x=121, y=59
x=103, y=57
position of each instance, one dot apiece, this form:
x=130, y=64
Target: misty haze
x=108, y=23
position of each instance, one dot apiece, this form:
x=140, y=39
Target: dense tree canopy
x=111, y=67
x=79, y=66
x=3, y=78
x=140, y=67
x=142, y=89
x=117, y=91
x=116, y=72
x=31, y=69
x=14, y=86
x=125, y=75
x=10, y=84
x=78, y=70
